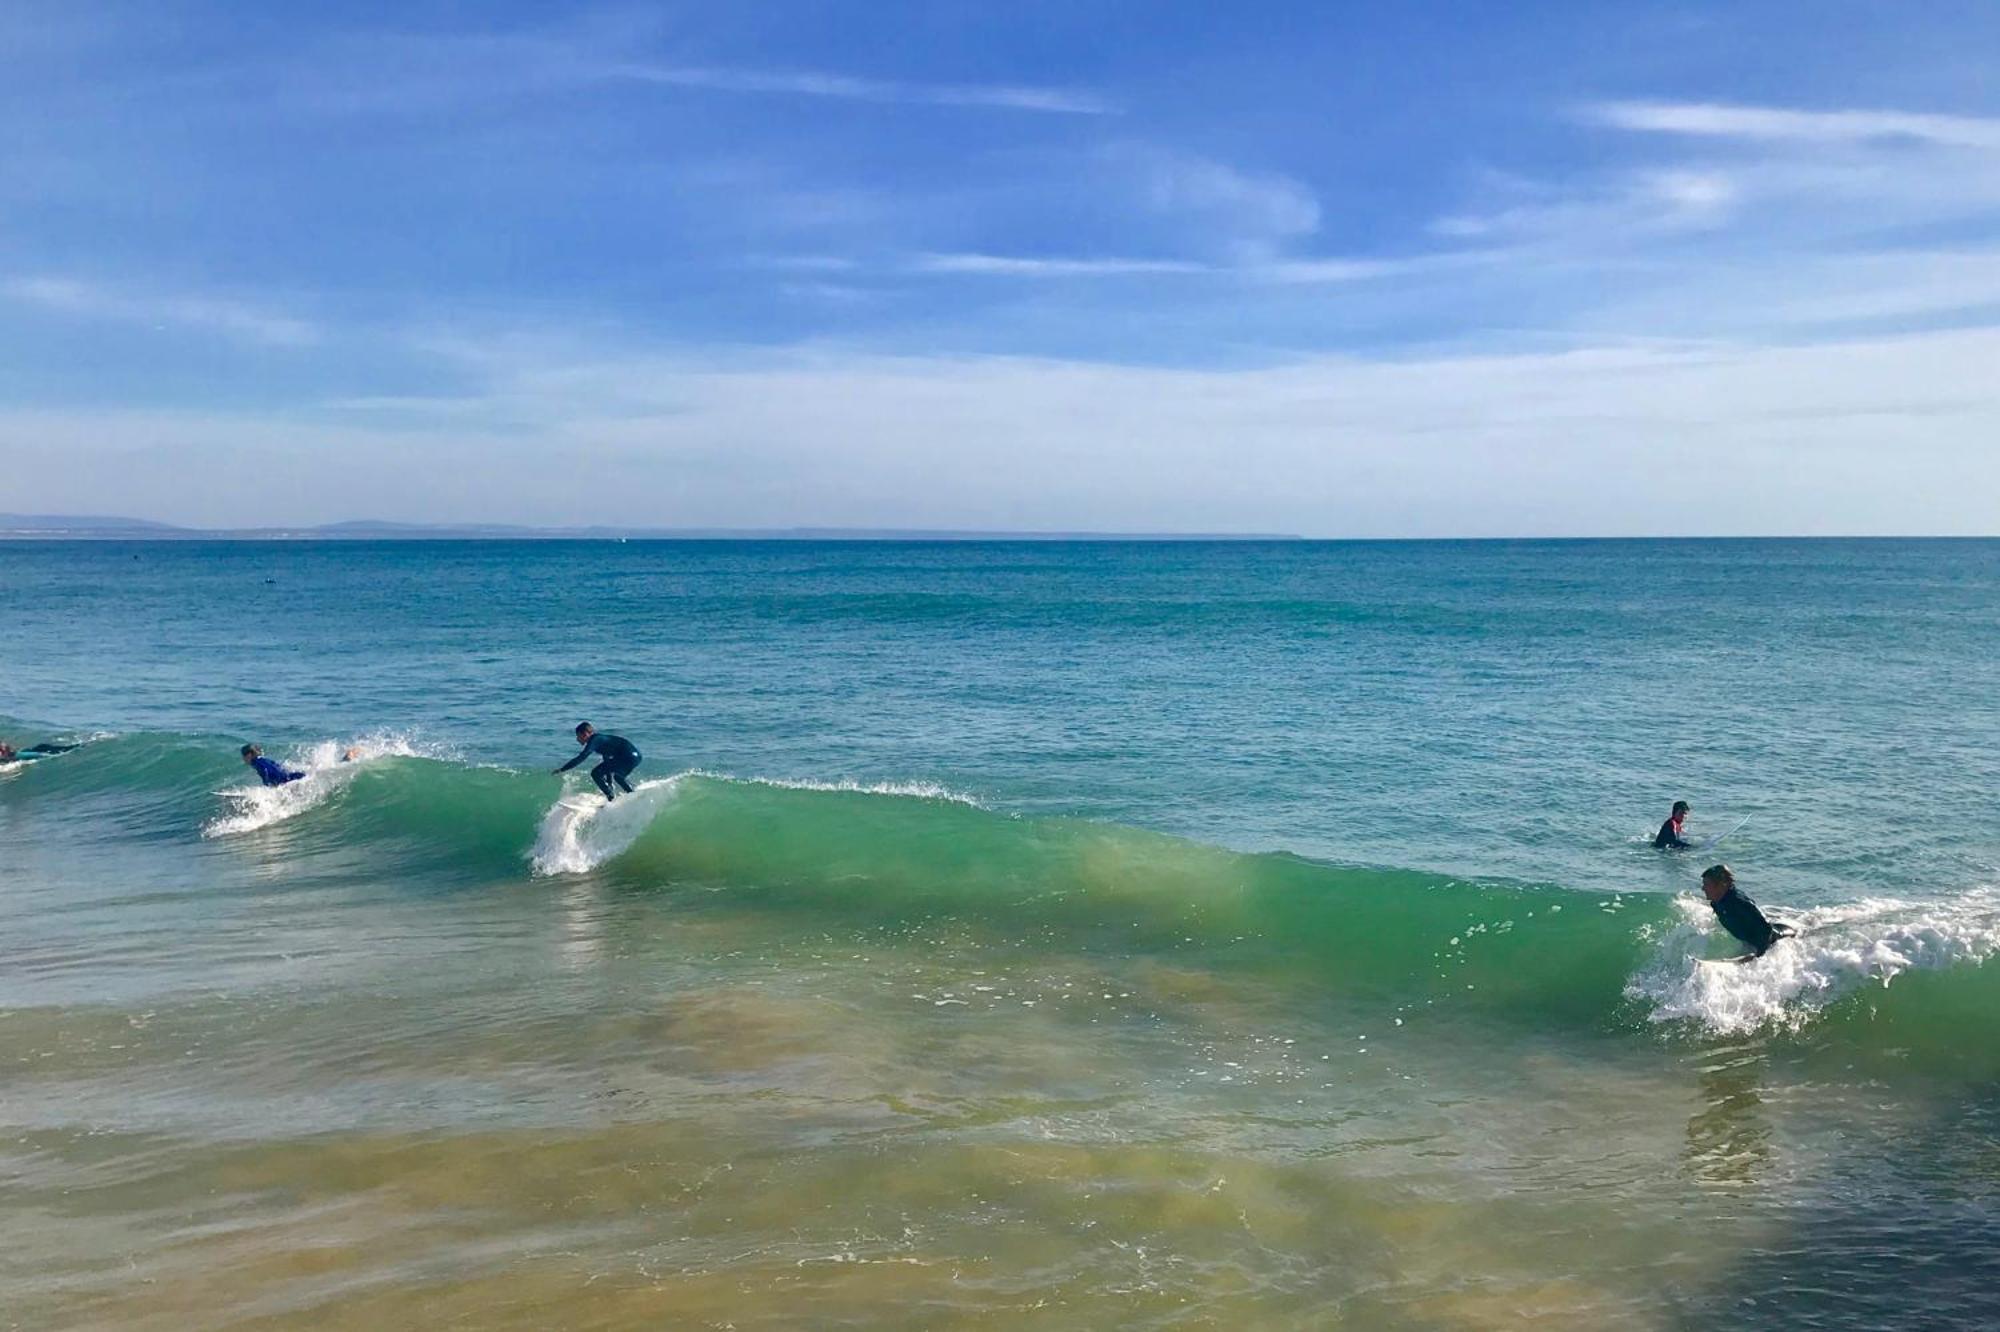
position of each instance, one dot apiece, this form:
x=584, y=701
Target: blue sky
x=1406, y=269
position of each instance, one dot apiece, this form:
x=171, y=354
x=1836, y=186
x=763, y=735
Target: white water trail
x=919, y=790
x=581, y=831
x=329, y=766
x=1838, y=949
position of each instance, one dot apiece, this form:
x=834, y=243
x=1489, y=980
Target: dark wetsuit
x=272, y=774
x=1669, y=838
x=620, y=757
x=46, y=749
x=1740, y=916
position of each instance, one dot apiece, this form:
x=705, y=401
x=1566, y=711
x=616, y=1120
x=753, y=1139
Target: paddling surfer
x=268, y=770
x=46, y=749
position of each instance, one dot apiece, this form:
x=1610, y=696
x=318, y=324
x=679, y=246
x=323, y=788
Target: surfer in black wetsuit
x=620, y=756
x=1738, y=914
x=46, y=749
x=1669, y=838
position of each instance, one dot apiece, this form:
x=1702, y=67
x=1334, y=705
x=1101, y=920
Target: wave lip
x=1838, y=950
x=328, y=772
x=579, y=833
x=919, y=790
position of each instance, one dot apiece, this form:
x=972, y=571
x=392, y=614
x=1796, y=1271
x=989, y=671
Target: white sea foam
x=912, y=790
x=581, y=832
x=328, y=769
x=1839, y=949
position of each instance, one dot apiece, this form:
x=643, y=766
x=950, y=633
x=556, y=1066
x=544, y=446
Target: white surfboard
x=1717, y=839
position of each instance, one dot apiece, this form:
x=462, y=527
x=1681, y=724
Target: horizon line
x=108, y=528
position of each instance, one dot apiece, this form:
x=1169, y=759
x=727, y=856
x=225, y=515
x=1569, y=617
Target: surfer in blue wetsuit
x=1738, y=914
x=1669, y=837
x=268, y=770
x=618, y=757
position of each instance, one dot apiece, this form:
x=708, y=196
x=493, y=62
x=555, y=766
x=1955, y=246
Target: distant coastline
x=92, y=527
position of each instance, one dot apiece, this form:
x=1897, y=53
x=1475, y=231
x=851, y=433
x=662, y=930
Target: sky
x=1417, y=269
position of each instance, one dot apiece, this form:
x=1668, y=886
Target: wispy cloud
x=805, y=263
x=1631, y=203
x=1249, y=212
x=89, y=300
x=1003, y=265
x=401, y=71
x=1303, y=271
x=807, y=83
x=1726, y=120
x=1312, y=272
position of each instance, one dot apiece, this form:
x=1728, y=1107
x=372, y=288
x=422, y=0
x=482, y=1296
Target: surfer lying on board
x=1738, y=914
x=268, y=770
x=47, y=749
x=1670, y=836
x=620, y=757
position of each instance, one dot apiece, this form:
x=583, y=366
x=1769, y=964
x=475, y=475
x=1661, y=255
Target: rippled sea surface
x=1002, y=935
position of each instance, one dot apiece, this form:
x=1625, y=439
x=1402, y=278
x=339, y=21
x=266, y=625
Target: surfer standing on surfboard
x=1738, y=914
x=620, y=756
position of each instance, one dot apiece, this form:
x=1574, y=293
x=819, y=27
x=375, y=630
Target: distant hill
x=96, y=527
x=69, y=523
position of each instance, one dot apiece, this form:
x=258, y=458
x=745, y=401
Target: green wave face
x=888, y=860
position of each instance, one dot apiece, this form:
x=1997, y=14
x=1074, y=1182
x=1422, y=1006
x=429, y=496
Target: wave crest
x=329, y=767
x=1838, y=950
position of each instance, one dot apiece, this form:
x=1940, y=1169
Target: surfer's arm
x=589, y=747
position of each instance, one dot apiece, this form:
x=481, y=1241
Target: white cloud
x=1723, y=120
x=1301, y=272
x=805, y=263
x=400, y=71
x=1009, y=97
x=1775, y=224
x=88, y=300
x=1630, y=204
x=1254, y=211
x=1028, y=266
x=1142, y=208
x=1877, y=435
x=1752, y=298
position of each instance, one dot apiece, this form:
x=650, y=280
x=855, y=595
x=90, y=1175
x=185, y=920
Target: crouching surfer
x=1738, y=914
x=619, y=757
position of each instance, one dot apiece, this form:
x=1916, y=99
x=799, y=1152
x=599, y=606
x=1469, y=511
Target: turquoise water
x=1066, y=935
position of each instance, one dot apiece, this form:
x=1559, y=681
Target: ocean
x=1002, y=935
